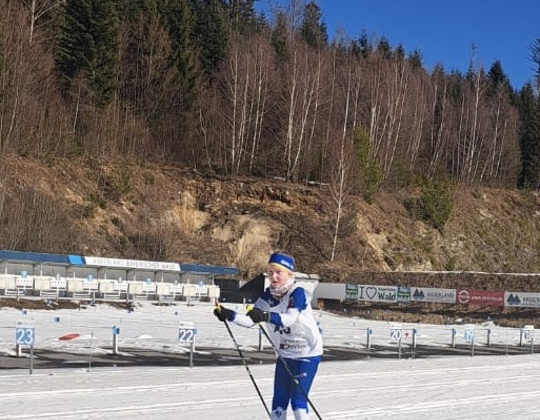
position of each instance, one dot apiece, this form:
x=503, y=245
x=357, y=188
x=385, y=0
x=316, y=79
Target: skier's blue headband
x=282, y=261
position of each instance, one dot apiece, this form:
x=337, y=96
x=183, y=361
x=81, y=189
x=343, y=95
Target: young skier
x=285, y=309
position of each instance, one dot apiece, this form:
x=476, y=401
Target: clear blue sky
x=445, y=30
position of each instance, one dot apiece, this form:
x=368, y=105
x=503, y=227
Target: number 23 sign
x=24, y=336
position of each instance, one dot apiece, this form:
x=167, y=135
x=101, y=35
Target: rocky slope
x=141, y=211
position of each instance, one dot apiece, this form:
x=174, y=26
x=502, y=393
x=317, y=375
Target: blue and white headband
x=283, y=261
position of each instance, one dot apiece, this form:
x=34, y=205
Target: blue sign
x=24, y=336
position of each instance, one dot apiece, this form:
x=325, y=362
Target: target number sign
x=396, y=334
x=186, y=335
x=24, y=336
x=468, y=334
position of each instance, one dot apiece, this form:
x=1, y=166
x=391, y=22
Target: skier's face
x=278, y=276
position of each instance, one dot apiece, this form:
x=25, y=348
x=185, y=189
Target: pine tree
x=86, y=47
x=131, y=10
x=534, y=56
x=498, y=80
x=74, y=46
x=242, y=15
x=415, y=59
x=105, y=34
x=312, y=28
x=180, y=22
x=529, y=139
x=529, y=134
x=365, y=46
x=496, y=74
x=279, y=39
x=1, y=57
x=210, y=33
x=384, y=48
x=370, y=174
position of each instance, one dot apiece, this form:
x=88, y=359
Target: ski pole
x=244, y=362
x=289, y=371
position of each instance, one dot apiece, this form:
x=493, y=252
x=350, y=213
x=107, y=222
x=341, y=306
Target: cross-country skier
x=285, y=309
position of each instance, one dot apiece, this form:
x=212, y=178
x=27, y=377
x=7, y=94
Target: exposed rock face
x=170, y=214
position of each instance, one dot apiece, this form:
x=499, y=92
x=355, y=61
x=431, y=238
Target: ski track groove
x=438, y=408
x=179, y=387
x=133, y=409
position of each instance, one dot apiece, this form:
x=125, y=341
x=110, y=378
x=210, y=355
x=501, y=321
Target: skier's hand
x=224, y=314
x=258, y=316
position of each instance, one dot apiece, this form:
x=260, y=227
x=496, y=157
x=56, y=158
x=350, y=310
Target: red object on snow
x=69, y=336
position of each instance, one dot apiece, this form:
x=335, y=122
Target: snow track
x=443, y=388
x=454, y=387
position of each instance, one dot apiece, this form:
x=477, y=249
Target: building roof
x=35, y=258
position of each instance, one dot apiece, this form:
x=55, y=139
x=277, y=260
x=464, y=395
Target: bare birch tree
x=501, y=146
x=38, y=9
x=388, y=99
x=11, y=73
x=474, y=136
x=437, y=140
x=474, y=126
x=245, y=85
x=339, y=186
x=301, y=90
x=418, y=119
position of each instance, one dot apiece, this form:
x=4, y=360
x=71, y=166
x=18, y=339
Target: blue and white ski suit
x=296, y=336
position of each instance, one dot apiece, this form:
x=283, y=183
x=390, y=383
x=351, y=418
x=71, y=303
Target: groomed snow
x=454, y=387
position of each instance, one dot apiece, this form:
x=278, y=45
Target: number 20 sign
x=24, y=336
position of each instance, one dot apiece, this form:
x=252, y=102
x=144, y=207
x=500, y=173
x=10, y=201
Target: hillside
x=135, y=211
x=171, y=214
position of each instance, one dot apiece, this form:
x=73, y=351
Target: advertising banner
x=377, y=293
x=522, y=299
x=480, y=297
x=426, y=294
x=351, y=292
x=404, y=294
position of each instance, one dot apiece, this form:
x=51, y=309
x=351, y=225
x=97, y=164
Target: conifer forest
x=220, y=87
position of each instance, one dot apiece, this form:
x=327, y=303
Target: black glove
x=224, y=314
x=258, y=316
